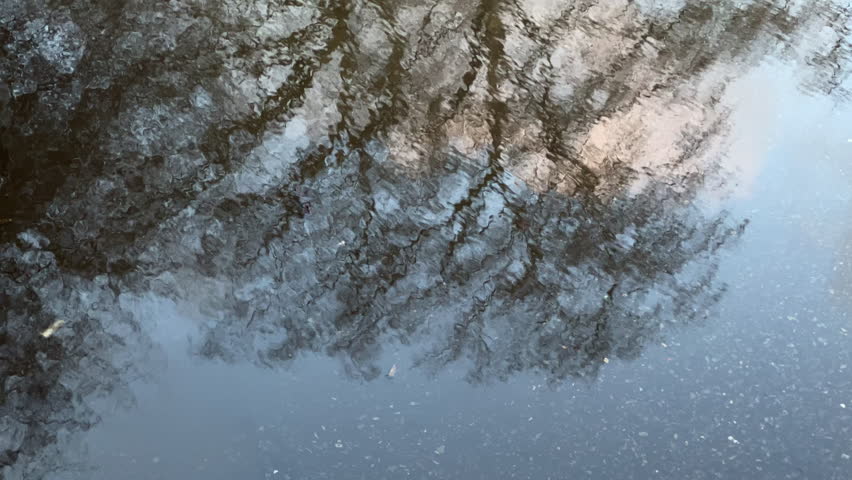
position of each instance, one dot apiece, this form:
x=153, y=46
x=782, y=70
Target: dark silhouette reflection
x=50, y=382
x=509, y=182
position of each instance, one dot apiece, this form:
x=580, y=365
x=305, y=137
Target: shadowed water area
x=535, y=239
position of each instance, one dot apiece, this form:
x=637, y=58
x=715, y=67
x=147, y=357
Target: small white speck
x=341, y=243
x=606, y=360
x=52, y=328
x=275, y=472
x=842, y=405
x=733, y=440
x=643, y=434
x=844, y=456
x=338, y=444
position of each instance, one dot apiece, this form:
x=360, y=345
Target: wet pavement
x=499, y=239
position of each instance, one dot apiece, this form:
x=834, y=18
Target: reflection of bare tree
x=517, y=101
x=507, y=181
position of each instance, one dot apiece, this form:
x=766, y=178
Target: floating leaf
x=52, y=328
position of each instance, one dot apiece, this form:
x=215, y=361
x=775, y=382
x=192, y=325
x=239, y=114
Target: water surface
x=498, y=239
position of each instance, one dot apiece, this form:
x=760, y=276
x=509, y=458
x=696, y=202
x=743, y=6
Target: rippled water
x=492, y=239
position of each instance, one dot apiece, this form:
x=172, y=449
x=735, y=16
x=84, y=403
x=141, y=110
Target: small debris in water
x=338, y=444
x=440, y=450
x=392, y=371
x=52, y=328
x=606, y=360
x=733, y=440
x=341, y=243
